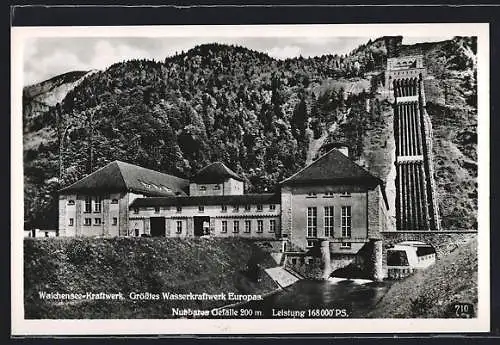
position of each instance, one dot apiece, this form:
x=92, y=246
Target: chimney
x=344, y=150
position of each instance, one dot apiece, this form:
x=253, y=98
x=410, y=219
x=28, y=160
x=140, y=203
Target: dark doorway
x=201, y=226
x=157, y=226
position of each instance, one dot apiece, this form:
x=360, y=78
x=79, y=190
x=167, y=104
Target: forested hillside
x=213, y=102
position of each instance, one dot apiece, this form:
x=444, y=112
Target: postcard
x=250, y=179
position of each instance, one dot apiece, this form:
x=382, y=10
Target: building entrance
x=157, y=226
x=201, y=226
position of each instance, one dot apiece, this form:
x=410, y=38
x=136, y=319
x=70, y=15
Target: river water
x=319, y=299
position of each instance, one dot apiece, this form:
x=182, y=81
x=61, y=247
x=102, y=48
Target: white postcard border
x=21, y=326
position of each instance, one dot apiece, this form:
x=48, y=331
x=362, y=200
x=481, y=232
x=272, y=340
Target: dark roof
x=332, y=167
x=120, y=177
x=245, y=199
x=215, y=173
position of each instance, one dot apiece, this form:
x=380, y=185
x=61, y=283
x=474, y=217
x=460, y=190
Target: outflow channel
x=416, y=207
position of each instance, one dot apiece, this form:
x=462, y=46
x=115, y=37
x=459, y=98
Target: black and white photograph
x=212, y=179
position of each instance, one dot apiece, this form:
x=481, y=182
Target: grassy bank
x=429, y=293
x=127, y=265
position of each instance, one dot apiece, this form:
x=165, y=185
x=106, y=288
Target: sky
x=45, y=57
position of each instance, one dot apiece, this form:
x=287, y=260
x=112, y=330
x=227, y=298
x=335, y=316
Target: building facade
x=331, y=199
x=251, y=215
x=216, y=206
x=405, y=67
x=98, y=205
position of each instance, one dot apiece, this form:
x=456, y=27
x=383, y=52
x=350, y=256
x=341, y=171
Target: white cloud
x=284, y=52
x=43, y=68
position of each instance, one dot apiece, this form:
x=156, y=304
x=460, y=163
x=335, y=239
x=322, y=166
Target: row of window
x=327, y=194
x=343, y=245
x=151, y=185
x=204, y=188
x=236, y=208
x=248, y=226
x=97, y=200
x=312, y=221
x=236, y=226
x=426, y=257
x=88, y=221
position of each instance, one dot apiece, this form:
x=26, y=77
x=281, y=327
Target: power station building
x=333, y=198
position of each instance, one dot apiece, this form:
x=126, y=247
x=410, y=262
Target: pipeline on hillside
x=415, y=208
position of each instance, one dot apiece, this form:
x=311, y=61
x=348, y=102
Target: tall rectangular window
x=312, y=222
x=88, y=221
x=201, y=209
x=236, y=226
x=98, y=204
x=179, y=209
x=223, y=208
x=71, y=222
x=97, y=221
x=247, y=207
x=179, y=227
x=329, y=221
x=224, y=226
x=272, y=207
x=259, y=208
x=272, y=225
x=157, y=209
x=115, y=221
x=260, y=226
x=346, y=221
x=248, y=226
x=88, y=204
x=236, y=208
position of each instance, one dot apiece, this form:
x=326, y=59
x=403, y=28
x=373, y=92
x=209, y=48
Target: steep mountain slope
x=38, y=98
x=214, y=102
x=452, y=105
x=451, y=95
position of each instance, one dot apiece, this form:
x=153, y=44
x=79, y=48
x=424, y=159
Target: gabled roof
x=205, y=200
x=332, y=167
x=215, y=173
x=119, y=176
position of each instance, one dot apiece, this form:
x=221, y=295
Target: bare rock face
x=39, y=97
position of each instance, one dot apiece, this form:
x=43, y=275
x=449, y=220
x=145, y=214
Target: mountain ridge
x=213, y=103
